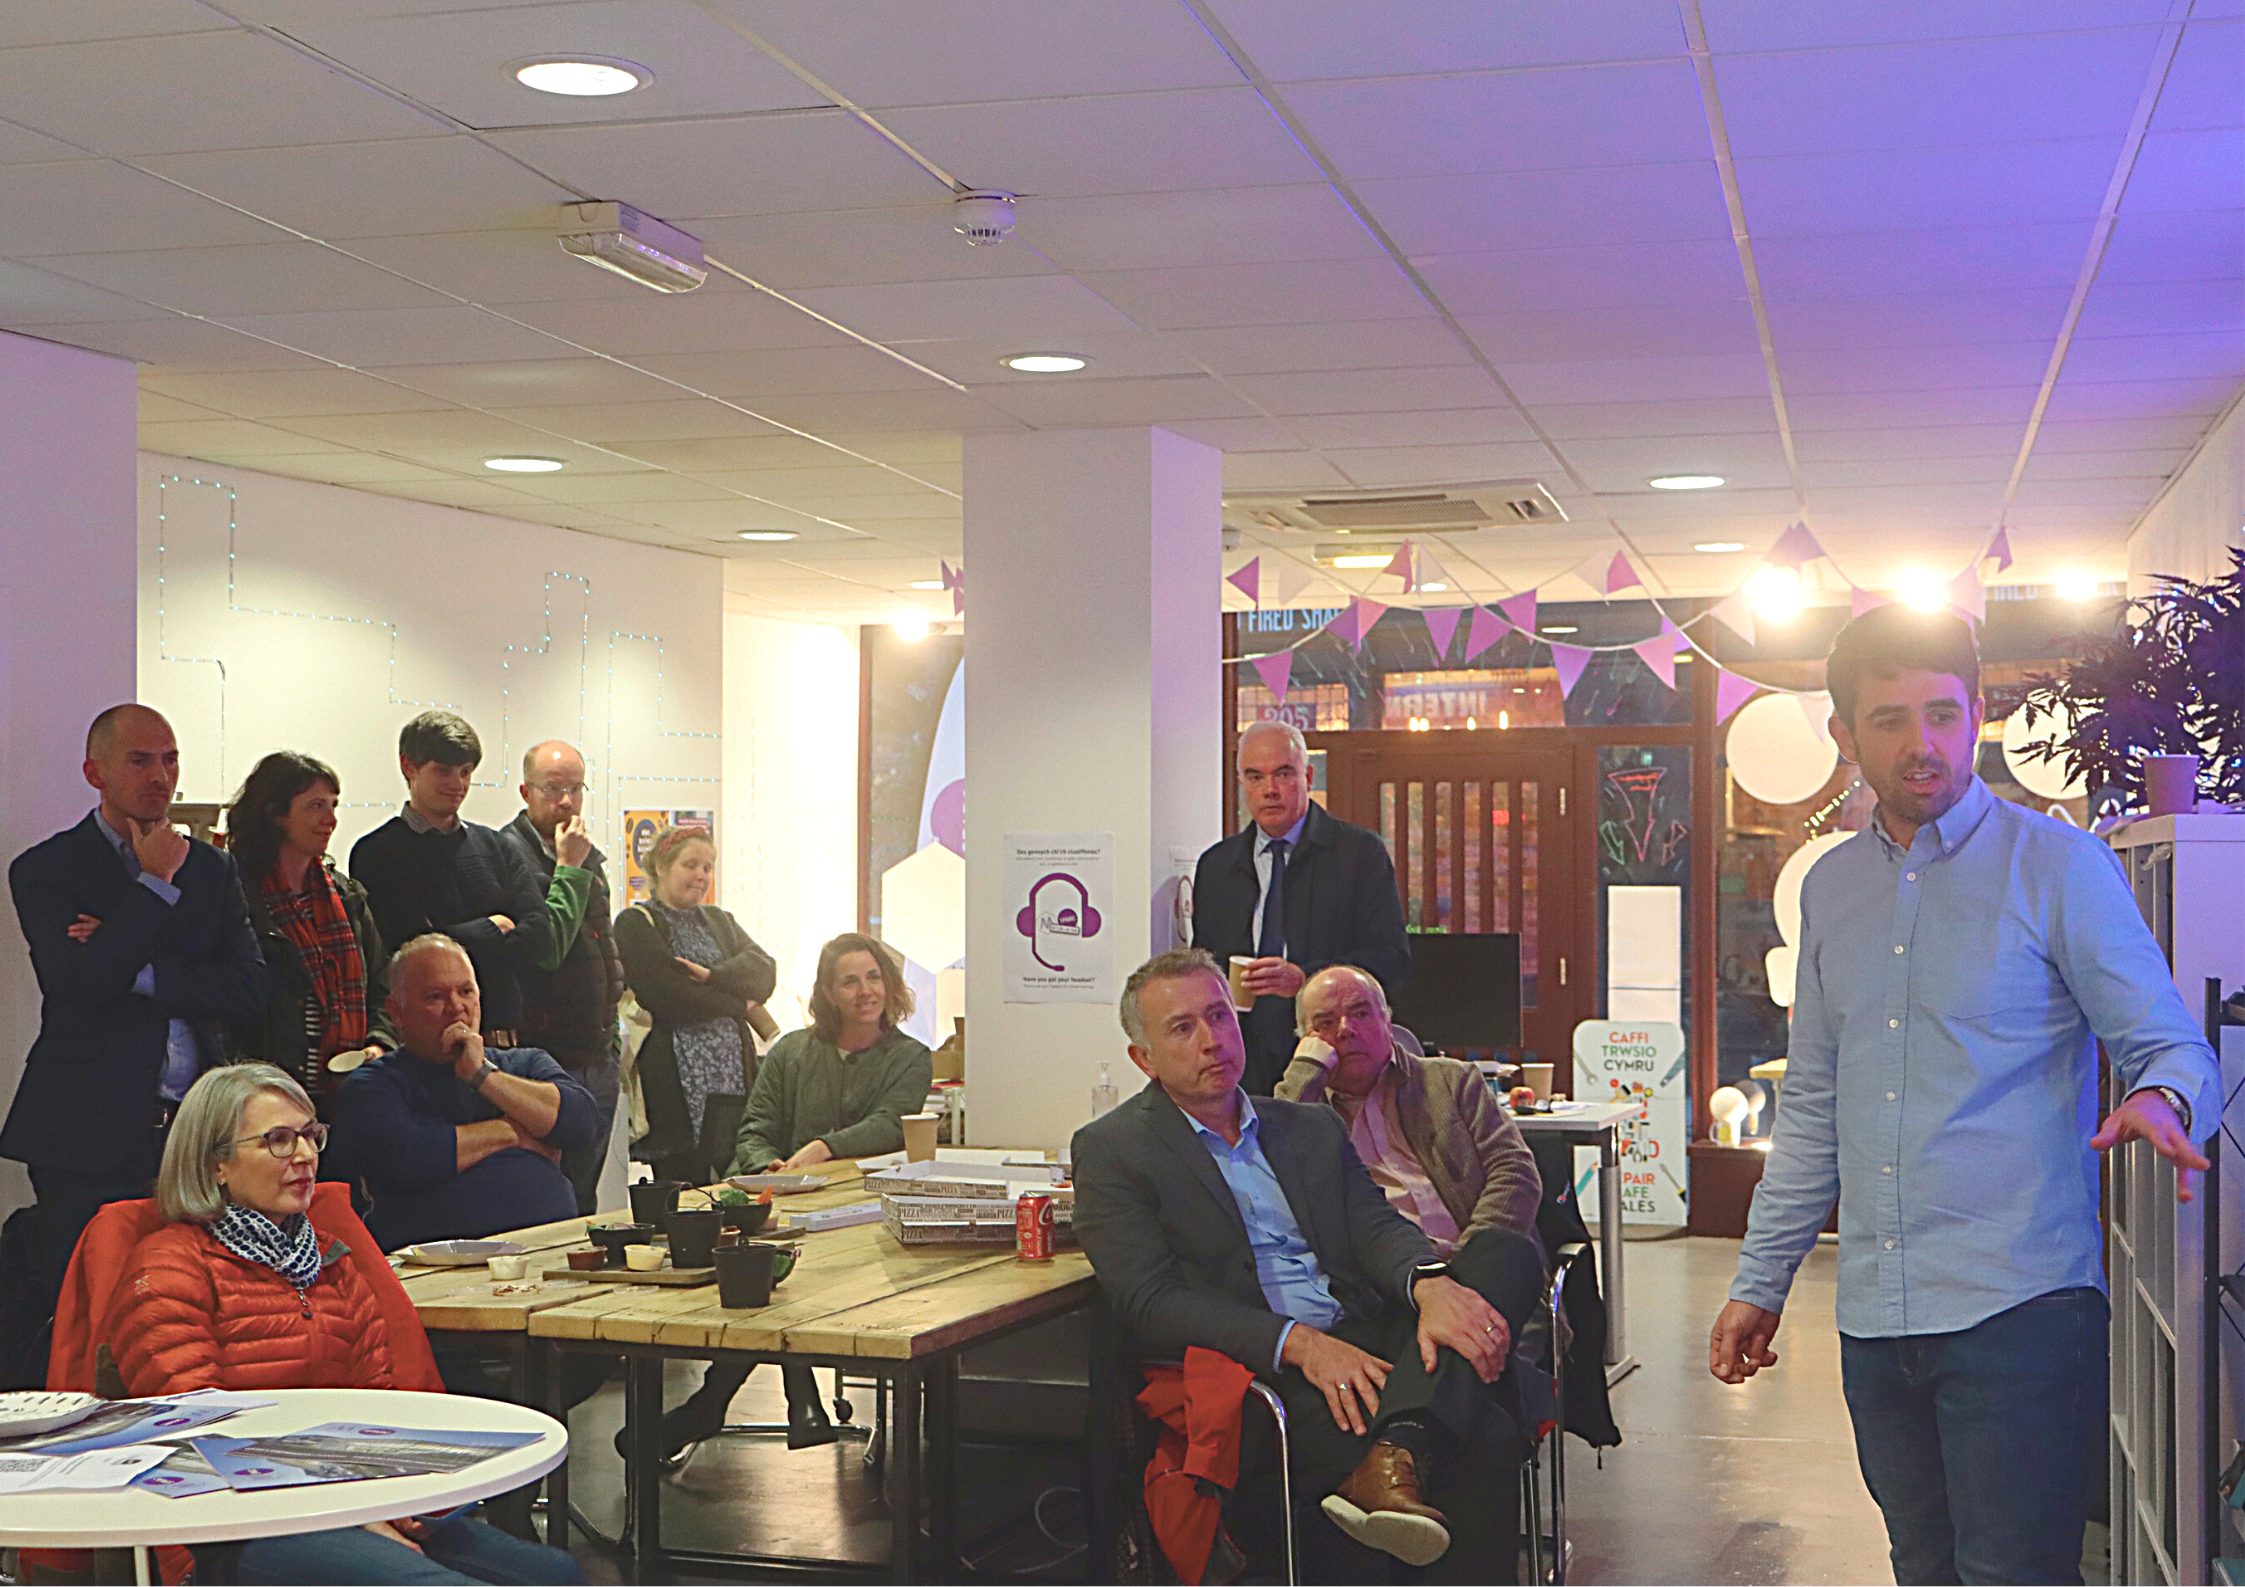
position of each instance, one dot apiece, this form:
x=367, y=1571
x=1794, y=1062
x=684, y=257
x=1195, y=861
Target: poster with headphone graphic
x=1060, y=942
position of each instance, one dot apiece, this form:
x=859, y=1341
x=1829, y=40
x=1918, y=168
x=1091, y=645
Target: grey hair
x=1301, y=998
x=203, y=1136
x=413, y=947
x=1161, y=967
x=1294, y=739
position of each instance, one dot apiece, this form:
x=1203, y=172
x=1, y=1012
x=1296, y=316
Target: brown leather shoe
x=1380, y=1507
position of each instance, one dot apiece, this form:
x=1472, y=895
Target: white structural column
x=1094, y=658
x=68, y=580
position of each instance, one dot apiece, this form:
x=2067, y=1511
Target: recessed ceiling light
x=1685, y=481
x=583, y=76
x=1364, y=559
x=1559, y=628
x=1719, y=546
x=524, y=465
x=912, y=629
x=1436, y=588
x=2077, y=585
x=767, y=534
x=927, y=584
x=1045, y=363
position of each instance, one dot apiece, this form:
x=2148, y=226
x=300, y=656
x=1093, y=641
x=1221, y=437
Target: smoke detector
x=982, y=218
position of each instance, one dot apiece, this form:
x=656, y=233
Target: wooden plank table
x=856, y=1299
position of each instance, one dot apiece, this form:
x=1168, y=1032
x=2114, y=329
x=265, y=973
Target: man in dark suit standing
x=1297, y=890
x=143, y=947
x=1250, y=1227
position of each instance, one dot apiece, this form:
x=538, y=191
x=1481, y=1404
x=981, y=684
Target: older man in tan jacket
x=1432, y=1133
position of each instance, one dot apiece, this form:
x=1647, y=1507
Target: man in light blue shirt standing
x=1959, y=962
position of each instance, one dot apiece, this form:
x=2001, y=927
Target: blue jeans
x=458, y=1551
x=1980, y=1447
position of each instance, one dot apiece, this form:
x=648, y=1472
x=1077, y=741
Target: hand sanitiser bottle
x=1102, y=1093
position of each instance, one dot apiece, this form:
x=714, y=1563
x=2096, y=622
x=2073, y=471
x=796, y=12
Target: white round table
x=137, y=1519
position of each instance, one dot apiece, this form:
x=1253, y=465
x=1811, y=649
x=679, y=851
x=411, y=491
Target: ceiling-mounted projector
x=634, y=245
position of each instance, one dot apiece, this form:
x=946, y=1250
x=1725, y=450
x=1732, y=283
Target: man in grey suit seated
x=1250, y=1227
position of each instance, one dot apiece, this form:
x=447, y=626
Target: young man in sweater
x=428, y=870
x=569, y=997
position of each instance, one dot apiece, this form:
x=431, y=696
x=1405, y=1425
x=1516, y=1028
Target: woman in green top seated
x=837, y=1090
x=841, y=1088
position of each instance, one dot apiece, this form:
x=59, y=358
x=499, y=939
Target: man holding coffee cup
x=1296, y=890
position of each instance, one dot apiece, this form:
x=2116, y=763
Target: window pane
x=1415, y=891
x=1529, y=960
x=1469, y=828
x=1444, y=850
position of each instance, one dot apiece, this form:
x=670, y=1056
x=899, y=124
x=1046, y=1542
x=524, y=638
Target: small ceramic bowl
x=588, y=1261
x=643, y=1258
x=507, y=1269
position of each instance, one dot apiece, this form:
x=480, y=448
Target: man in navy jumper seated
x=454, y=1140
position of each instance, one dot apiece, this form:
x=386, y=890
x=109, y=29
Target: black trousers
x=1475, y=1482
x=68, y=1201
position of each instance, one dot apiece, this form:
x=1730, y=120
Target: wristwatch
x=1421, y=1271
x=486, y=1072
x=2175, y=1101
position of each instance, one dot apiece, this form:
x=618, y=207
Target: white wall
x=279, y=614
x=2201, y=515
x=789, y=867
x=66, y=619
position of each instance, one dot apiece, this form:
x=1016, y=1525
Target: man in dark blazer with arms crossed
x=1334, y=887
x=1250, y=1227
x=142, y=946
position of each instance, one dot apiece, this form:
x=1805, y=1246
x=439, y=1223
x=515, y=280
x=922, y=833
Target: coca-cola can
x=1032, y=1227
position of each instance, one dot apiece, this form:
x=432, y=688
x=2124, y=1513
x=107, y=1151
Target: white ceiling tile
x=1813, y=411
x=1210, y=226
x=1372, y=390
x=2000, y=184
x=1739, y=25
x=843, y=477
x=626, y=423
x=528, y=383
x=1622, y=466
x=592, y=490
x=857, y=247
x=1117, y=351
x=29, y=22
x=500, y=268
x=371, y=338
x=2137, y=465
x=156, y=97
x=1904, y=441
x=86, y=206
x=2203, y=169
x=1293, y=39
x=1959, y=91
x=349, y=468
x=747, y=165
x=22, y=146
x=2201, y=86
x=1626, y=379
x=2194, y=245
x=2124, y=495
x=792, y=371
x=715, y=458
x=914, y=52
x=1640, y=114
x=1680, y=202
x=1648, y=331
x=2205, y=356
x=32, y=296
x=1870, y=473
x=1932, y=259
x=1566, y=421
x=719, y=317
x=1514, y=280
x=267, y=278
x=177, y=343
x=1033, y=311
x=156, y=408
x=283, y=393
x=1876, y=368
x=1435, y=465
x=2150, y=433
x=1210, y=296
x=394, y=187
x=1918, y=319
x=226, y=438
x=2126, y=399
x=458, y=440
x=1153, y=400
x=1455, y=427
x=1357, y=344
x=1907, y=504
x=933, y=408
x=458, y=61
x=1130, y=143
x=2118, y=308
x=1240, y=436
x=903, y=449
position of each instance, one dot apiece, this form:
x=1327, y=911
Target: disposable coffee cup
x=746, y=1273
x=1242, y=998
x=919, y=1137
x=1537, y=1077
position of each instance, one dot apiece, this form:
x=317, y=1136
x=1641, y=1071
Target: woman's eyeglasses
x=281, y=1139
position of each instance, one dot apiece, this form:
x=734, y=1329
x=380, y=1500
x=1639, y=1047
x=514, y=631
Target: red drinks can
x=1032, y=1227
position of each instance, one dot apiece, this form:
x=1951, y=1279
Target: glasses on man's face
x=282, y=1138
x=560, y=790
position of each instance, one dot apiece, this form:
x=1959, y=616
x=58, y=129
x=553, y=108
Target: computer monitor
x=1464, y=991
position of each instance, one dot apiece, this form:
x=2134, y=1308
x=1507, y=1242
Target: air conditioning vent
x=1455, y=509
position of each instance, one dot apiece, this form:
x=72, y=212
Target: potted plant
x=2162, y=700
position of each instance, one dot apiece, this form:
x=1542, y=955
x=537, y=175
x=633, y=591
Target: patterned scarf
x=315, y=922
x=289, y=1248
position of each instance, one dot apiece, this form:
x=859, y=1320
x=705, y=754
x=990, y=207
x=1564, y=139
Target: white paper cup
x=1537, y=1077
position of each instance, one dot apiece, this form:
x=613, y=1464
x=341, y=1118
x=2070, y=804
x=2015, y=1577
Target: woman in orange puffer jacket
x=235, y=1293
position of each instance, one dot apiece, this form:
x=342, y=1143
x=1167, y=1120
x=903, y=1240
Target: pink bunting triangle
x=1364, y=612
x=1659, y=653
x=1520, y=611
x=1248, y=580
x=1999, y=547
x=959, y=597
x=1620, y=575
x=1277, y=672
x=1442, y=625
x=1486, y=630
x=1731, y=692
x=1399, y=566
x=1569, y=661
x=1342, y=626
x=1860, y=600
x=1965, y=596
x=1794, y=547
